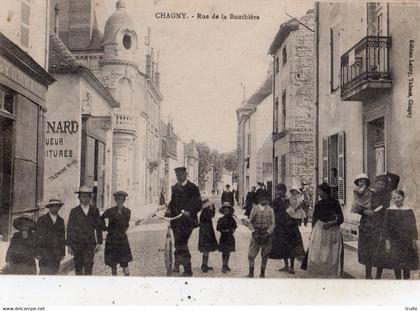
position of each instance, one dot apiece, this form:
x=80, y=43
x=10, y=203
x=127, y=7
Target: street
x=147, y=243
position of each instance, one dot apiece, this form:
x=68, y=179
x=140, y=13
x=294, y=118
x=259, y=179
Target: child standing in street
x=262, y=223
x=226, y=225
x=206, y=239
x=362, y=194
x=400, y=233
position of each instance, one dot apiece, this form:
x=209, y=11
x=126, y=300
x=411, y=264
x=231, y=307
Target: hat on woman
x=295, y=187
x=54, y=202
x=226, y=205
x=23, y=222
x=362, y=176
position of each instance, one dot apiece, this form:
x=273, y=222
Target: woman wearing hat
x=20, y=256
x=226, y=225
x=326, y=243
x=117, y=247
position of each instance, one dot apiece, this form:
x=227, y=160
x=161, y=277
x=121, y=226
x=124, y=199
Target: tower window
x=127, y=42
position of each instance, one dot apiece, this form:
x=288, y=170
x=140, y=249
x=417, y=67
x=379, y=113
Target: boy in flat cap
x=185, y=199
x=117, y=247
x=84, y=232
x=51, y=240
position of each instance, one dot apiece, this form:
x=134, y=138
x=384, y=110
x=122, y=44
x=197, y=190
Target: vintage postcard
x=234, y=140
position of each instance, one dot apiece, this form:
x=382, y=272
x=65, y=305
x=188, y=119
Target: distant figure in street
x=117, y=247
x=84, y=232
x=185, y=199
x=226, y=225
x=307, y=200
x=400, y=233
x=371, y=227
x=326, y=244
x=162, y=200
x=287, y=240
x=51, y=239
x=260, y=191
x=20, y=256
x=251, y=199
x=262, y=224
x=206, y=238
x=227, y=196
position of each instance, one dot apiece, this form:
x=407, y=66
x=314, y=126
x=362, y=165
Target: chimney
x=56, y=18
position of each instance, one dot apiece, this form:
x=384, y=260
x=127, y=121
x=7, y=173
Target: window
x=276, y=116
x=24, y=23
x=284, y=55
x=283, y=168
x=335, y=57
x=334, y=157
x=276, y=170
x=6, y=102
x=376, y=164
x=249, y=144
x=283, y=111
x=127, y=42
x=277, y=64
x=379, y=21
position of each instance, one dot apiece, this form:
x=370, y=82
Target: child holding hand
x=226, y=225
x=362, y=195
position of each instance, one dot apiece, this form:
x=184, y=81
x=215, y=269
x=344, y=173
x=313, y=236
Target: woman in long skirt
x=117, y=247
x=326, y=243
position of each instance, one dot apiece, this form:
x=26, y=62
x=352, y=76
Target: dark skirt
x=369, y=243
x=287, y=241
x=226, y=242
x=207, y=239
x=117, y=249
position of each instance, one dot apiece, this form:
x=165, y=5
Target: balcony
x=365, y=68
x=124, y=123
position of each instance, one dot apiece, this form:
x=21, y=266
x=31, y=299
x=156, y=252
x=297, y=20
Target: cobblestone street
x=147, y=243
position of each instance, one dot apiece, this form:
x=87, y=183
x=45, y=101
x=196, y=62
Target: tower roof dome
x=119, y=19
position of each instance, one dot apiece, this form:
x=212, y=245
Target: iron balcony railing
x=368, y=60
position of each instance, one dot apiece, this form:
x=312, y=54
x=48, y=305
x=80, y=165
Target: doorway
x=6, y=148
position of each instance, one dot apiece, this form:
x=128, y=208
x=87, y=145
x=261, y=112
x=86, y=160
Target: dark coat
x=226, y=225
x=50, y=237
x=287, y=240
x=227, y=196
x=251, y=199
x=84, y=231
x=207, y=239
x=21, y=255
x=117, y=247
x=185, y=198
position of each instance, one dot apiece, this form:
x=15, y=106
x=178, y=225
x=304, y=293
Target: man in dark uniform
x=84, y=232
x=227, y=196
x=185, y=199
x=50, y=239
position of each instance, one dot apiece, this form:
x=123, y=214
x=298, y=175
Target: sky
x=204, y=63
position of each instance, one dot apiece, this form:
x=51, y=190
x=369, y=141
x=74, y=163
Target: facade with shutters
x=24, y=82
x=293, y=128
x=367, y=117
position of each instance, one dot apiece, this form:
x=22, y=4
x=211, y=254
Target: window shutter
x=325, y=152
x=342, y=167
x=24, y=23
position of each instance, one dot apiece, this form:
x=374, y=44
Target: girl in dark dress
x=206, y=239
x=287, y=240
x=20, y=256
x=117, y=247
x=400, y=233
x=226, y=225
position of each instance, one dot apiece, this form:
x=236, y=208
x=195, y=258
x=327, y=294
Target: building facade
x=292, y=50
x=79, y=136
x=133, y=79
x=367, y=119
x=255, y=146
x=24, y=82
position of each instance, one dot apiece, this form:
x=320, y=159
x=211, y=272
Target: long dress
x=206, y=238
x=227, y=240
x=326, y=245
x=401, y=230
x=117, y=247
x=370, y=245
x=21, y=255
x=287, y=240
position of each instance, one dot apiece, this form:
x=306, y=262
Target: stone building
x=367, y=117
x=24, y=82
x=116, y=58
x=192, y=161
x=292, y=50
x=255, y=145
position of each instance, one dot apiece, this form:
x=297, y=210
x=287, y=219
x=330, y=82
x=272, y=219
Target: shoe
x=227, y=268
x=187, y=274
x=204, y=269
x=209, y=268
x=224, y=269
x=291, y=271
x=284, y=269
x=262, y=273
x=251, y=273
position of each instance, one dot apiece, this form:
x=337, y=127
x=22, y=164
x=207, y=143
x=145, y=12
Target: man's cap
x=54, y=202
x=181, y=169
x=85, y=189
x=227, y=186
x=120, y=193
